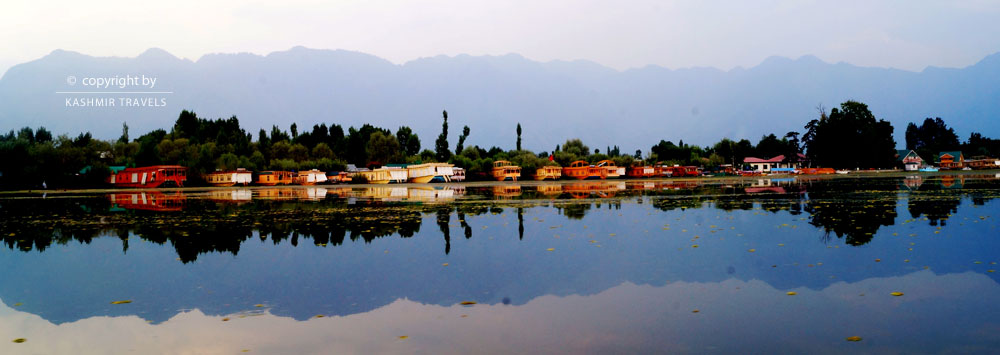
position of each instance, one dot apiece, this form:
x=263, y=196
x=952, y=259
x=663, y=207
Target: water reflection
x=720, y=246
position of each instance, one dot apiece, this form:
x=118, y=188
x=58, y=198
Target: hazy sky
x=622, y=34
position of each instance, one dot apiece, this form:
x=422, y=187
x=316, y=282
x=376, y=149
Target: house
x=909, y=160
x=951, y=160
x=778, y=162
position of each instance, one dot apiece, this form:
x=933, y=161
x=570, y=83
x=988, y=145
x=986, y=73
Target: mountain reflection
x=220, y=220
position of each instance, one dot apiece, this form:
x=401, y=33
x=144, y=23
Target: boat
x=310, y=177
x=928, y=169
x=385, y=175
x=661, y=170
x=610, y=167
x=149, y=176
x=377, y=176
x=505, y=171
x=459, y=174
x=548, y=173
x=430, y=172
x=229, y=178
x=338, y=177
x=581, y=170
x=274, y=177
x=843, y=172
x=638, y=171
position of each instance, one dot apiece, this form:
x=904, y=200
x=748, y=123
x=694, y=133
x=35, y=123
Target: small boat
x=149, y=176
x=311, y=177
x=612, y=169
x=581, y=170
x=843, y=172
x=274, y=177
x=430, y=172
x=928, y=169
x=505, y=171
x=229, y=178
x=548, y=173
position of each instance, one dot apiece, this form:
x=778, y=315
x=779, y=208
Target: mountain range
x=553, y=101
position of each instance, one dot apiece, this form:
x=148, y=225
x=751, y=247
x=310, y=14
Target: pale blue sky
x=622, y=34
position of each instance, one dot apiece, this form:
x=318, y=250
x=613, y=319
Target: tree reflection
x=850, y=215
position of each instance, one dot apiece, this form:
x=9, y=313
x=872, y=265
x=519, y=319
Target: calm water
x=622, y=266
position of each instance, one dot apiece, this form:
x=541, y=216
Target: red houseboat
x=150, y=176
x=582, y=170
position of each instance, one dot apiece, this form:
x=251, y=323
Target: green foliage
x=408, y=140
x=441, y=144
x=384, y=149
x=833, y=140
x=931, y=138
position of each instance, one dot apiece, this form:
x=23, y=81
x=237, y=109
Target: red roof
x=776, y=159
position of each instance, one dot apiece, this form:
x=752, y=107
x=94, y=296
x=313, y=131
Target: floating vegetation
x=791, y=293
x=897, y=294
x=20, y=340
x=854, y=338
x=121, y=302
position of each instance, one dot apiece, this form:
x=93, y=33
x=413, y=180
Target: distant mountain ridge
x=553, y=101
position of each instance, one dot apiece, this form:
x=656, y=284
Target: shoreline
x=709, y=179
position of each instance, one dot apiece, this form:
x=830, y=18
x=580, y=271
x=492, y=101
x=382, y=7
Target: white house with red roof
x=778, y=162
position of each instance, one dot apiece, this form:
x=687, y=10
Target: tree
x=851, y=137
x=461, y=140
x=295, y=131
x=43, y=135
x=930, y=138
x=408, y=140
x=441, y=145
x=519, y=136
x=383, y=148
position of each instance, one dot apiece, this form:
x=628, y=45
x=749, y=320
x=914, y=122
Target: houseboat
x=149, y=176
x=229, y=178
x=548, y=173
x=339, y=177
x=662, y=170
x=505, y=171
x=612, y=169
x=430, y=172
x=581, y=170
x=459, y=174
x=377, y=176
x=637, y=171
x=274, y=177
x=682, y=171
x=309, y=177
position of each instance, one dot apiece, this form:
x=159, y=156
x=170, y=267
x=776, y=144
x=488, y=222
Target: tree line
x=846, y=137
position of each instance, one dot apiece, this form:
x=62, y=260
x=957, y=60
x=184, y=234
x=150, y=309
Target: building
x=951, y=160
x=909, y=160
x=778, y=162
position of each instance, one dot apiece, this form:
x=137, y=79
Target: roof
x=777, y=159
x=953, y=154
x=901, y=154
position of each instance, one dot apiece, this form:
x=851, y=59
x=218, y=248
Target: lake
x=790, y=265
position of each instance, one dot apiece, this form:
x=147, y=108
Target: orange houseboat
x=150, y=176
x=640, y=172
x=548, y=173
x=582, y=170
x=505, y=171
x=229, y=178
x=274, y=177
x=612, y=169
